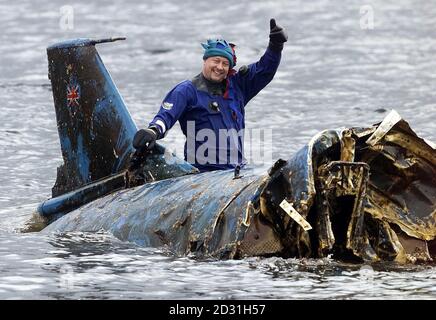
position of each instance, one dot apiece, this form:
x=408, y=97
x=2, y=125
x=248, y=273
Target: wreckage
x=360, y=194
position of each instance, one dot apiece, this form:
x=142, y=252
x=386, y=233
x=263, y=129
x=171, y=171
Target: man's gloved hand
x=145, y=139
x=277, y=36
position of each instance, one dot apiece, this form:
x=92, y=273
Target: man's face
x=216, y=68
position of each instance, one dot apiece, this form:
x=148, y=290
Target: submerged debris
x=369, y=193
x=361, y=194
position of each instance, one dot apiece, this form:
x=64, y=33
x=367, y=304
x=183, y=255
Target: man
x=210, y=107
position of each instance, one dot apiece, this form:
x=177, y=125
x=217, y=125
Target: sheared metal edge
x=218, y=217
x=430, y=143
x=232, y=247
x=241, y=228
x=388, y=122
x=364, y=132
x=401, y=256
x=250, y=210
x=383, y=207
x=192, y=236
x=306, y=203
x=414, y=144
x=387, y=210
x=311, y=178
x=247, y=217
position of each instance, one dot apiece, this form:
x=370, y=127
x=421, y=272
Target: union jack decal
x=73, y=94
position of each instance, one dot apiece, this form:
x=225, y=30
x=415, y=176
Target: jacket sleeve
x=172, y=108
x=259, y=74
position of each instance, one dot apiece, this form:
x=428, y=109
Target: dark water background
x=333, y=74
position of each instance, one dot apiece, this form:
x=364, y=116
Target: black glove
x=277, y=36
x=145, y=139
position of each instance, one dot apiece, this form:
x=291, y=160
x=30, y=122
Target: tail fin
x=95, y=127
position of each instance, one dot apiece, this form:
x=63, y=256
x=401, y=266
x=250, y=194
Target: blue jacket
x=213, y=123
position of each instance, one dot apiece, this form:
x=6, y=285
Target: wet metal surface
x=208, y=214
x=333, y=74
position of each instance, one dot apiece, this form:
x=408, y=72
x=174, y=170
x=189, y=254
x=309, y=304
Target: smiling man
x=211, y=107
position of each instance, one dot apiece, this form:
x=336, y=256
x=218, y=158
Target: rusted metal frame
x=336, y=179
x=413, y=144
x=355, y=232
x=382, y=207
x=323, y=225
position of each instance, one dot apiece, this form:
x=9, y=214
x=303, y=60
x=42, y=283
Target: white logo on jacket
x=167, y=105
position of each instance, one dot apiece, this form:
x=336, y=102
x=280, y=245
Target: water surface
x=333, y=74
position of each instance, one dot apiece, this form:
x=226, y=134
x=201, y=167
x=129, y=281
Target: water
x=333, y=74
